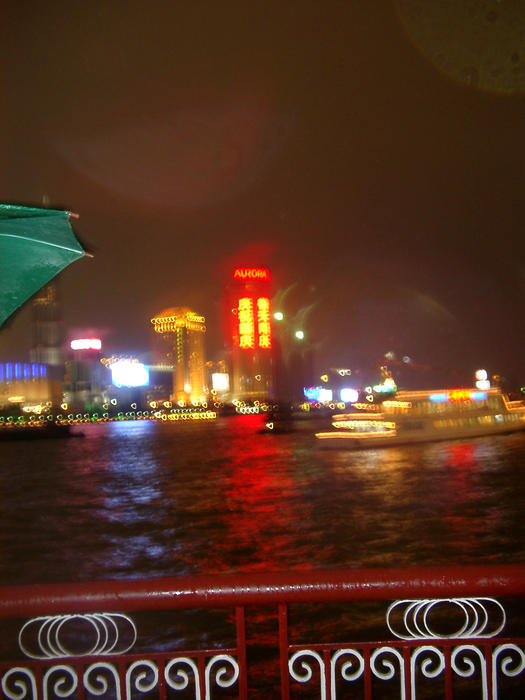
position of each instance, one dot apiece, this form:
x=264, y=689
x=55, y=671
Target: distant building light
x=278, y=315
x=312, y=392
x=483, y=384
x=349, y=395
x=318, y=393
x=86, y=344
x=33, y=408
x=220, y=381
x=386, y=387
x=482, y=379
x=299, y=335
x=126, y=373
x=325, y=395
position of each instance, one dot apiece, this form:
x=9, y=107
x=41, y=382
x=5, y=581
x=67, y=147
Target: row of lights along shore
x=178, y=383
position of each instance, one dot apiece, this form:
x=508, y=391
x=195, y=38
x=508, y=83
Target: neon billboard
x=263, y=322
x=459, y=395
x=254, y=328
x=246, y=323
x=86, y=344
x=127, y=373
x=252, y=273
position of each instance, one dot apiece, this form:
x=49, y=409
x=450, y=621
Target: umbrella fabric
x=35, y=245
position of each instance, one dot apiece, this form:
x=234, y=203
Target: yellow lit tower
x=183, y=332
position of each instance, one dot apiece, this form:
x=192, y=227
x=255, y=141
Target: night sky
x=370, y=153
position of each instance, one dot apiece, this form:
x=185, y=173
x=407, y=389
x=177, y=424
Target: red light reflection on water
x=259, y=492
x=468, y=523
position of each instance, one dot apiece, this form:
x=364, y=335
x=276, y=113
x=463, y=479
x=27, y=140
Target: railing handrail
x=224, y=590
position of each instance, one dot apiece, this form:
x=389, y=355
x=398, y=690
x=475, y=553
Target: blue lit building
x=27, y=383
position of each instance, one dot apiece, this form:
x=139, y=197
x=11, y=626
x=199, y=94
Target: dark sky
x=370, y=153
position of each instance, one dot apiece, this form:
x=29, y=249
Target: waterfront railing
x=444, y=632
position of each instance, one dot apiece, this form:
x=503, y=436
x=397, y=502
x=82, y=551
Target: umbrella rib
x=35, y=240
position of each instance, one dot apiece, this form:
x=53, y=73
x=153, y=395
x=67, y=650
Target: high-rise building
x=248, y=304
x=182, y=333
x=85, y=376
x=48, y=328
x=25, y=384
x=49, y=337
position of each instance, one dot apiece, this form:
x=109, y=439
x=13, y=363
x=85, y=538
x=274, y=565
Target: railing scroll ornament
x=433, y=643
x=104, y=634
x=300, y=667
x=418, y=621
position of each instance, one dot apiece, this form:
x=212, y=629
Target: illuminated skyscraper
x=49, y=338
x=248, y=301
x=183, y=332
x=48, y=328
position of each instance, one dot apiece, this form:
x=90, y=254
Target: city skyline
x=371, y=163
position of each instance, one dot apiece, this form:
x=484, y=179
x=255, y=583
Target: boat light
x=459, y=395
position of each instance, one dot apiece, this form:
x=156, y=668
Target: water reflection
x=147, y=499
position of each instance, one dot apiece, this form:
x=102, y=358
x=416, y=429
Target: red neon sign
x=263, y=322
x=246, y=323
x=252, y=273
x=86, y=344
x=254, y=327
x=459, y=395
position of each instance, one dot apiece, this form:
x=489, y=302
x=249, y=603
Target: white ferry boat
x=426, y=416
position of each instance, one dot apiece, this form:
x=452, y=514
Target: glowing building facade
x=182, y=332
x=25, y=384
x=85, y=377
x=48, y=330
x=248, y=301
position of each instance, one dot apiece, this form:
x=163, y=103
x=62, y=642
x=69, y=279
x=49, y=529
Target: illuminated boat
x=426, y=416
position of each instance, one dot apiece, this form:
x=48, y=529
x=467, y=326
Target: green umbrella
x=35, y=245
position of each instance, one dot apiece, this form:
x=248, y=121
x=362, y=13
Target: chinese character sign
x=263, y=322
x=254, y=323
x=246, y=323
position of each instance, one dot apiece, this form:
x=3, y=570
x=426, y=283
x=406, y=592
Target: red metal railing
x=49, y=662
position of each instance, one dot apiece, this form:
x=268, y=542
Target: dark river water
x=144, y=499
